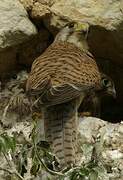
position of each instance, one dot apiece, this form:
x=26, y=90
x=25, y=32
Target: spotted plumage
x=61, y=77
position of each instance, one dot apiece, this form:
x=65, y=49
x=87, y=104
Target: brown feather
x=61, y=77
x=62, y=66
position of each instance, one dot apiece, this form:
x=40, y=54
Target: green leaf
x=12, y=143
x=3, y=145
x=93, y=175
x=34, y=169
x=84, y=171
x=8, y=142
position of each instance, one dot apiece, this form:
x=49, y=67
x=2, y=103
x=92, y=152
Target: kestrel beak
x=112, y=92
x=82, y=28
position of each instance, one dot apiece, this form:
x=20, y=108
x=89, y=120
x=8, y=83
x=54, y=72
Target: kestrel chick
x=61, y=77
x=13, y=94
x=92, y=102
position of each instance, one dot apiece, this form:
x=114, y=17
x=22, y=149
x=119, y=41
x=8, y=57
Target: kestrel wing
x=38, y=88
x=61, y=94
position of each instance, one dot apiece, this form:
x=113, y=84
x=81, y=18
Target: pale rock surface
x=106, y=13
x=15, y=27
x=28, y=4
x=107, y=139
x=39, y=11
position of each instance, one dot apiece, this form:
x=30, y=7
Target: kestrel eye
x=14, y=76
x=106, y=82
x=84, y=32
x=71, y=25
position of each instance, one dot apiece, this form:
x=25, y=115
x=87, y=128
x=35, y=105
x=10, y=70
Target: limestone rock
x=15, y=27
x=104, y=13
x=39, y=11
x=28, y=4
x=94, y=125
x=107, y=139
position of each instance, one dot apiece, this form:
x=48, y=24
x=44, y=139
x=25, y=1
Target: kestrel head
x=108, y=85
x=75, y=33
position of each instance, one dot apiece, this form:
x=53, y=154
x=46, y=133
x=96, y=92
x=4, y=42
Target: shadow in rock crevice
x=107, y=48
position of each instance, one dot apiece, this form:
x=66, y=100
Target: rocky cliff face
x=106, y=138
x=17, y=33
x=27, y=27
x=23, y=40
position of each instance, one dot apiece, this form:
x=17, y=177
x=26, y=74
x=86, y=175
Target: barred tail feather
x=61, y=131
